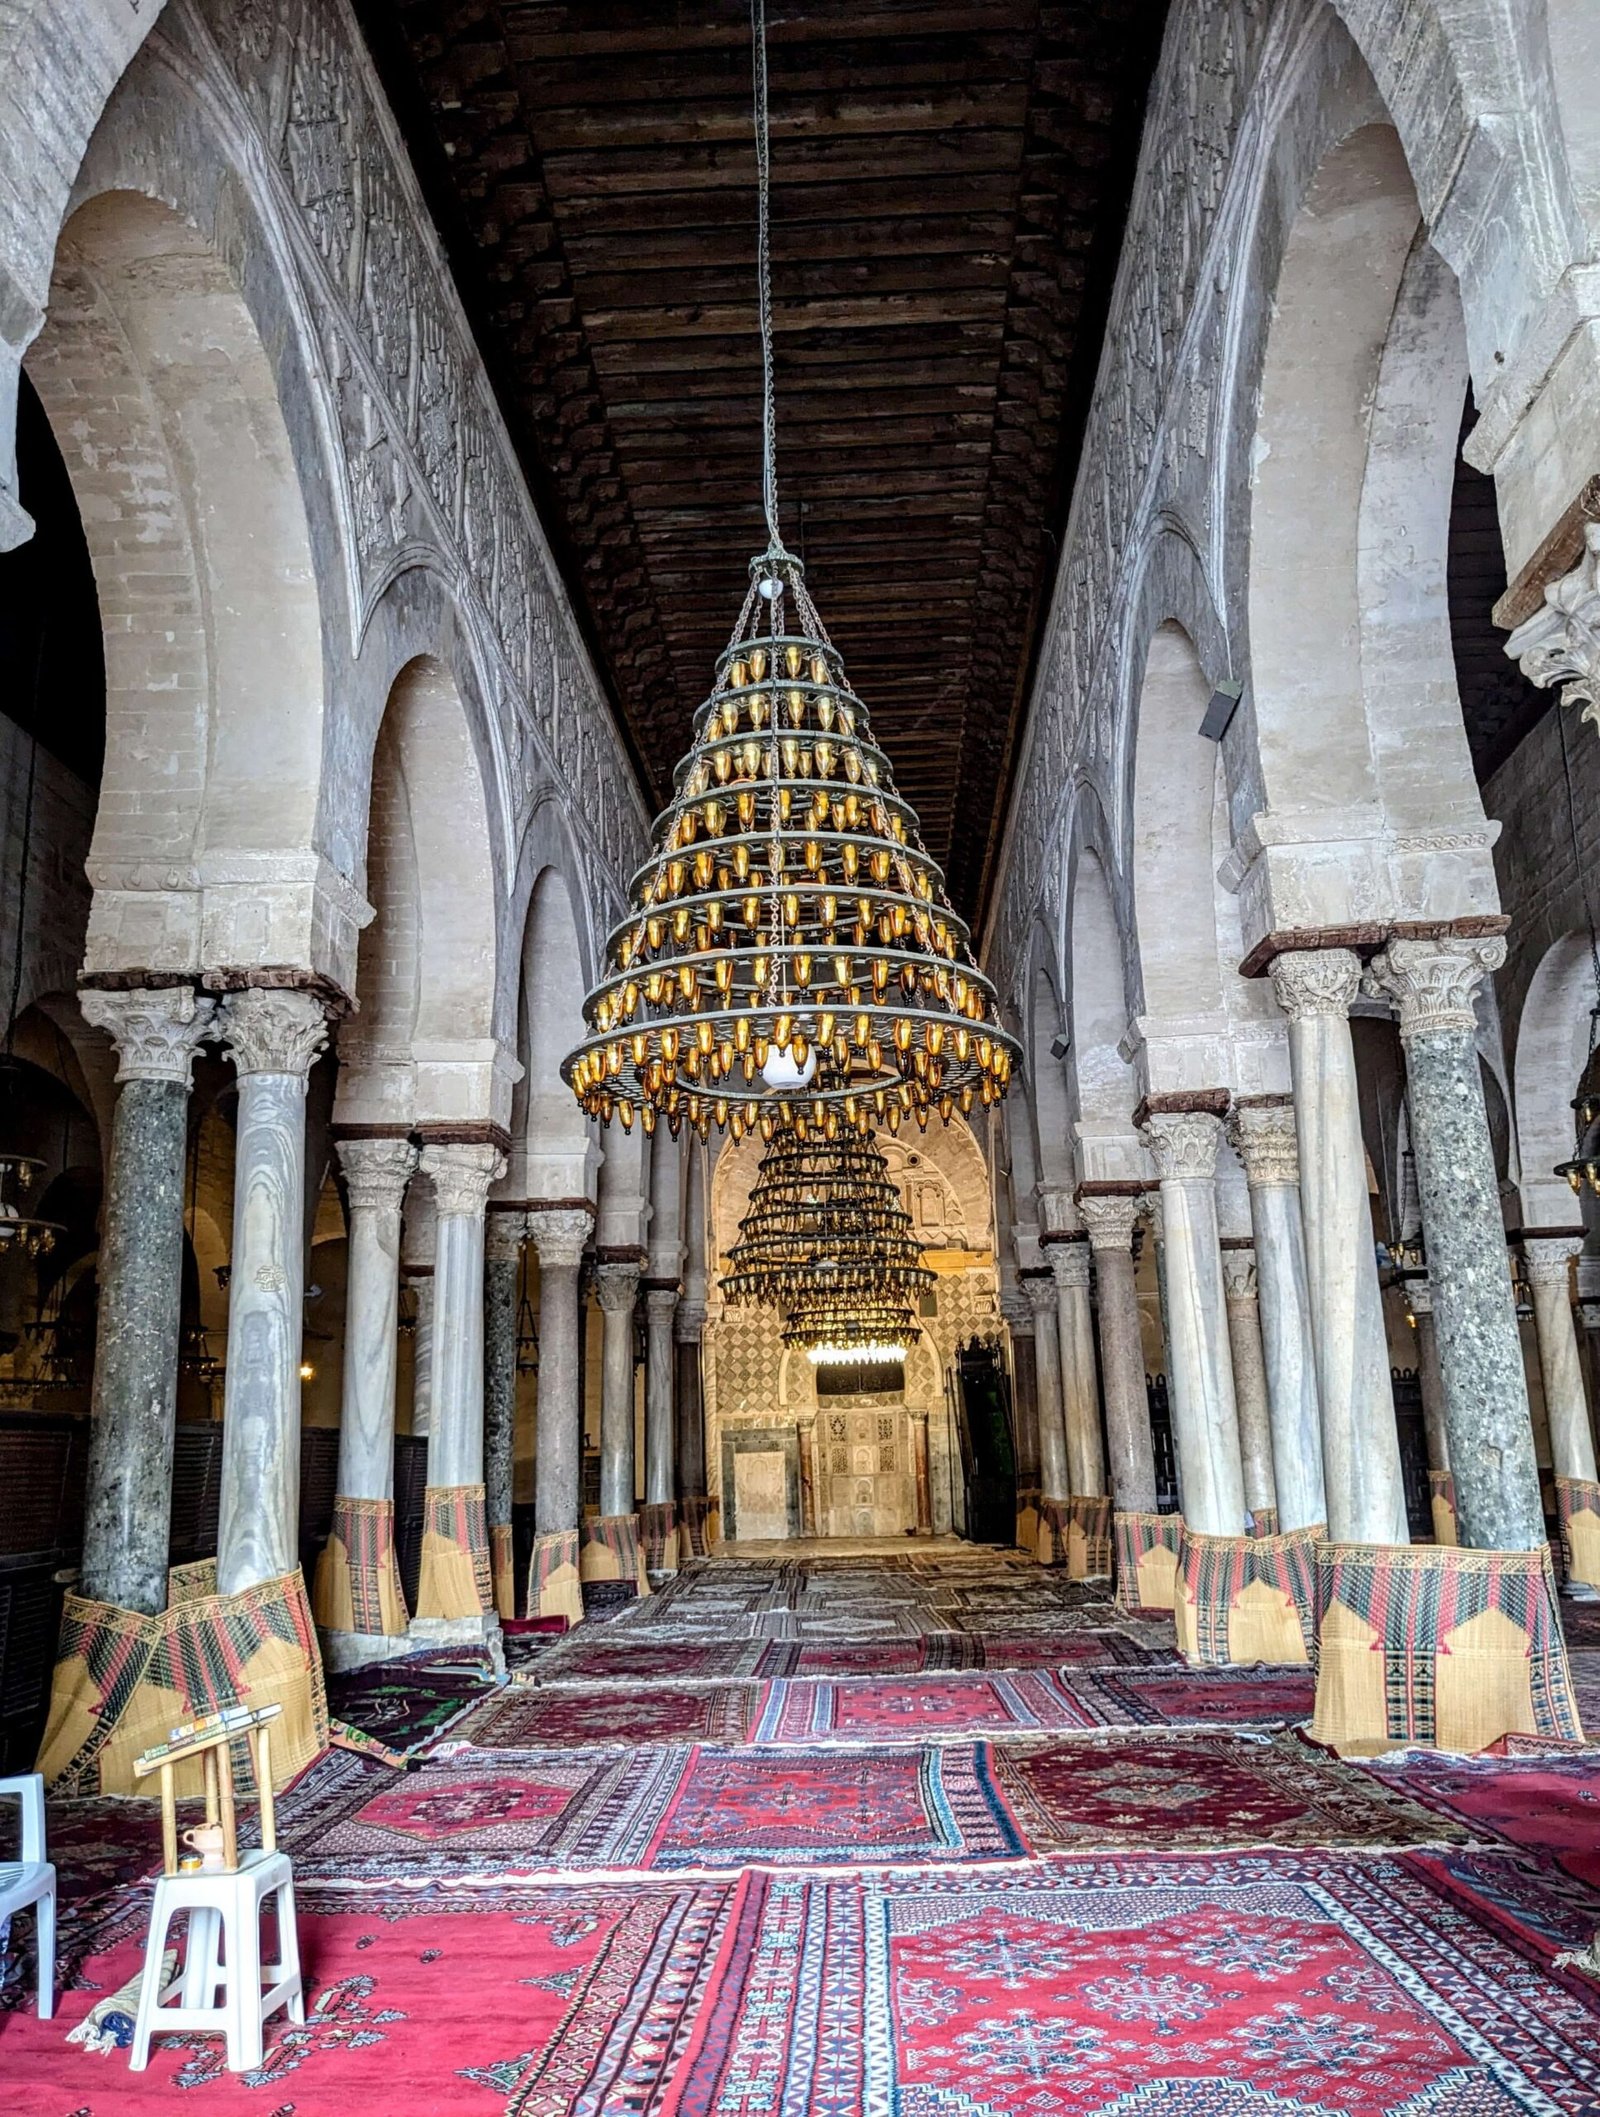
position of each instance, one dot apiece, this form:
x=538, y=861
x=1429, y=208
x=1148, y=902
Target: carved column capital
x=559, y=1236
x=157, y=1033
x=1433, y=982
x=1151, y=1213
x=616, y=1287
x=1041, y=1295
x=268, y=1031
x=1262, y=1134
x=1057, y=1214
x=461, y=1175
x=660, y=1301
x=1239, y=1275
x=1547, y=1259
x=504, y=1235
x=1069, y=1263
x=690, y=1323
x=1183, y=1144
x=1018, y=1312
x=1110, y=1219
x=376, y=1172
x=1308, y=982
x=1560, y=644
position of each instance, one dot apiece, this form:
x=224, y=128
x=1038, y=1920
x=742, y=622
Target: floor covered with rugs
x=832, y=1828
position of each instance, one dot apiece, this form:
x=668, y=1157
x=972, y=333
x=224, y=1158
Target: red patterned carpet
x=922, y=1836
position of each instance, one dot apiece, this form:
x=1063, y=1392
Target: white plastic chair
x=32, y=1880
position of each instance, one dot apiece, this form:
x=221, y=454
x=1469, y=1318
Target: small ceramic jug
x=206, y=1839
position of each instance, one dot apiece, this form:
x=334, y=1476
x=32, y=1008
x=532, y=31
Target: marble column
x=1360, y=1441
x=505, y=1232
x=1110, y=1219
x=1486, y=1412
x=1017, y=1310
x=457, y=1584
x=273, y=1039
x=1262, y=1130
x=1589, y=1317
x=1080, y=1379
x=688, y=1330
x=660, y=1305
x=358, y=1581
x=617, y=1290
x=918, y=1423
x=417, y=1234
x=134, y=1405
x=1548, y=1261
x=1205, y=1423
x=1054, y=1474
x=1429, y=1381
x=559, y=1236
x=1250, y=1384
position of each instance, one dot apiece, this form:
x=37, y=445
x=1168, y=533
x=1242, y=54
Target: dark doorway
x=988, y=1457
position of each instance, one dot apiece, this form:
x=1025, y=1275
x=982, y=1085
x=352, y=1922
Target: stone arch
x=161, y=395
x=1358, y=734
x=1048, y=1101
x=1552, y=1052
x=549, y=1129
x=1174, y=793
x=421, y=1044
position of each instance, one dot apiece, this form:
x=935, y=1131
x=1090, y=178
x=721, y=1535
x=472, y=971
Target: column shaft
x=1429, y=1380
x=376, y=1172
x=1205, y=1421
x=1250, y=1382
x=1572, y=1451
x=1110, y=1221
x=1054, y=1475
x=1360, y=1442
x=659, y=1415
x=617, y=1287
x=502, y=1274
x=558, y=1479
x=273, y=1038
x=1080, y=1381
x=688, y=1326
x=128, y=1501
x=1480, y=1353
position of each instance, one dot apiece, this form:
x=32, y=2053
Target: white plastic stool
x=223, y=1949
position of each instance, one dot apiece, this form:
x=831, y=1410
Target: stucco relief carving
x=429, y=471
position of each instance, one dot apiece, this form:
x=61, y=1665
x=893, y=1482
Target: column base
x=609, y=1548
x=1089, y=1536
x=694, y=1511
x=1147, y=1560
x=358, y=1581
x=1578, y=1509
x=502, y=1569
x=658, y=1527
x=1247, y=1599
x=456, y=1580
x=481, y=1632
x=123, y=1681
x=554, y=1586
x=1442, y=1506
x=1429, y=1647
x=1028, y=1519
x=1054, y=1538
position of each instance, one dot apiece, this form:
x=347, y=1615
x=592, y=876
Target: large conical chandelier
x=791, y=959
x=824, y=1219
x=834, y=1330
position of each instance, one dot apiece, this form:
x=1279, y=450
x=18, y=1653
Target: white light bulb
x=780, y=1070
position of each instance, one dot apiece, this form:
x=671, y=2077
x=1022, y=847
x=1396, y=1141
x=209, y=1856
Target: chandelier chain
x=769, y=395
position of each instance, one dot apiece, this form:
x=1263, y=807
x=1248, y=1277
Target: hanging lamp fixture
x=824, y=1218
x=791, y=959
x=832, y=1331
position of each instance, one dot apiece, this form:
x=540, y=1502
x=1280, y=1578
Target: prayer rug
x=1538, y=1907
x=1179, y=1697
x=864, y=1806
x=919, y=1708
x=1548, y=1805
x=1209, y=1792
x=617, y=1656
x=522, y=1812
x=614, y=1718
x=406, y=1705
x=1207, y=1987
x=533, y=2001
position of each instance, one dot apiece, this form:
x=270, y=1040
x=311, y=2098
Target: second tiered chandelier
x=791, y=959
x=825, y=1222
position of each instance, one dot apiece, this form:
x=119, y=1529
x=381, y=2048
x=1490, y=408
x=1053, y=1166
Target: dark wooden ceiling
x=949, y=187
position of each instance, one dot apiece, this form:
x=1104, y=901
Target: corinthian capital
x=1017, y=1309
x=504, y=1233
x=1239, y=1275
x=1262, y=1134
x=376, y=1172
x=1315, y=981
x=616, y=1287
x=272, y=1032
x=461, y=1174
x=1547, y=1259
x=1560, y=644
x=1183, y=1144
x=156, y=1033
x=1110, y=1219
x=1432, y=982
x=1041, y=1294
x=559, y=1233
x=1069, y=1262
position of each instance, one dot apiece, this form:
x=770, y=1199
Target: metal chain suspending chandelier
x=791, y=958
x=825, y=1219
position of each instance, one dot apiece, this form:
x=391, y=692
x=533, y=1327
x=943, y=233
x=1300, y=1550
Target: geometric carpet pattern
x=920, y=1832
